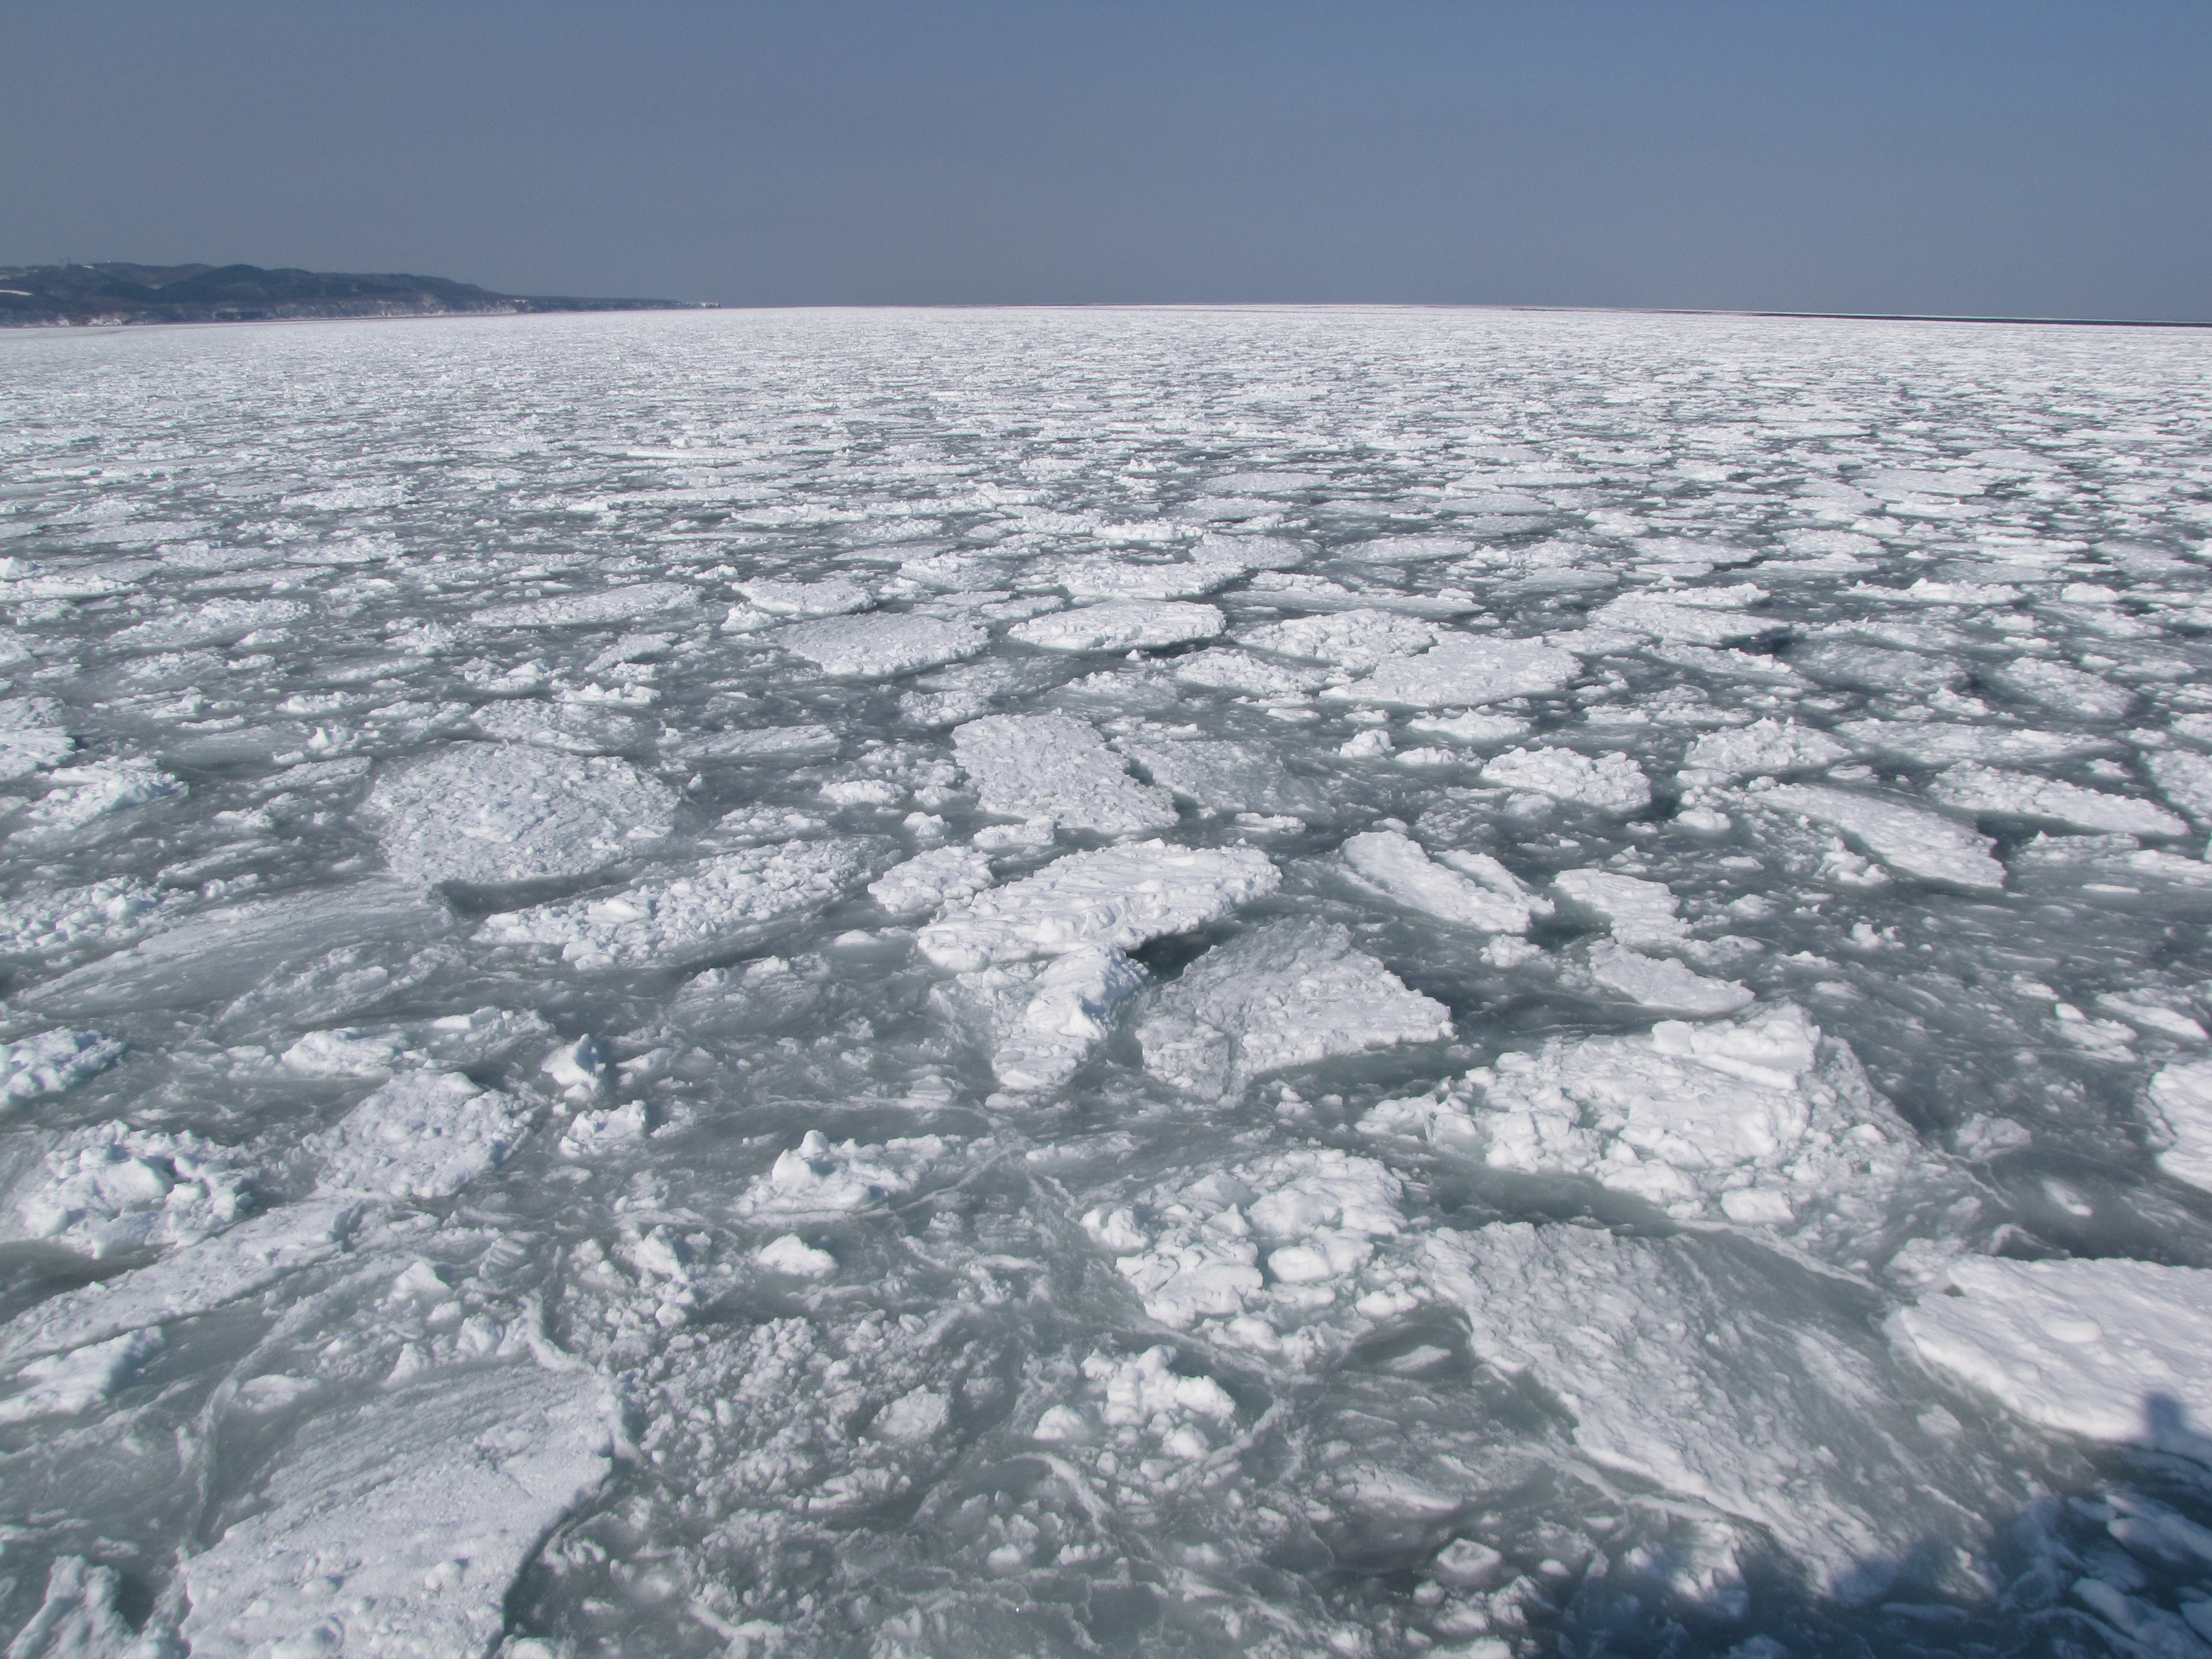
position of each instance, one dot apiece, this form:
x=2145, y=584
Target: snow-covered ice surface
x=1193, y=982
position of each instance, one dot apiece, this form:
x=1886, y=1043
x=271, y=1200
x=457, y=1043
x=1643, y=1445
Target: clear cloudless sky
x=1952, y=156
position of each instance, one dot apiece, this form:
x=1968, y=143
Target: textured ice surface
x=1120, y=625
x=1379, y=983
x=1052, y=768
x=1288, y=993
x=494, y=813
x=2108, y=1349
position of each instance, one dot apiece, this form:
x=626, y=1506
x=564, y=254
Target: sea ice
x=1055, y=769
x=422, y=1135
x=1606, y=783
x=2180, y=1101
x=397, y=1525
x=1287, y=993
x=2109, y=1350
x=497, y=813
x=677, y=918
x=873, y=647
x=1120, y=625
x=1907, y=838
x=1988, y=791
x=1463, y=673
x=1470, y=890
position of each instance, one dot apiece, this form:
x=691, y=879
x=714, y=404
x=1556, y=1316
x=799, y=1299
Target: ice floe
x=497, y=813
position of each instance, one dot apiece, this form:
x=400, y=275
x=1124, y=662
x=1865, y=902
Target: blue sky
x=2024, y=159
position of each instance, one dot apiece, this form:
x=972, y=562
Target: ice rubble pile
x=1548, y=957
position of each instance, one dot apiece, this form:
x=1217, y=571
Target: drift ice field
x=1355, y=983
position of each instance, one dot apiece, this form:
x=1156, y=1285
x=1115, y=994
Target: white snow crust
x=1120, y=625
x=1463, y=673
x=872, y=647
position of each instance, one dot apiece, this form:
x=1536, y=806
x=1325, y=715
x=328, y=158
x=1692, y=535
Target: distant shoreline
x=116, y=295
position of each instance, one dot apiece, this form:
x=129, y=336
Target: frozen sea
x=1267, y=981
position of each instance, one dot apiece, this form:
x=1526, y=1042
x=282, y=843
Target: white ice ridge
x=678, y=917
x=1607, y=783
x=1357, y=640
x=1120, y=625
x=1647, y=1346
x=1972, y=788
x=818, y=1178
x=498, y=813
x=1462, y=672
x=1910, y=839
x=1287, y=994
x=1744, y=1119
x=70, y=1384
x=933, y=878
x=1639, y=914
x=2181, y=1102
x=51, y=1061
x=1938, y=743
x=1766, y=748
x=422, y=1135
x=395, y=1527
x=2110, y=1349
x=869, y=648
x=1277, y=1256
x=1053, y=768
x=611, y=604
x=1474, y=892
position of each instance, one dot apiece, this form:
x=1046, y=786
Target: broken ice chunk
x=1055, y=769
x=2186, y=778
x=611, y=604
x=1070, y=1002
x=1663, y=985
x=872, y=647
x=1640, y=914
x=2181, y=1101
x=1194, y=1251
x=112, y=1188
x=1357, y=640
x=1464, y=672
x=1288, y=993
x=1972, y=788
x=1767, y=748
x=1120, y=625
x=1608, y=783
x=833, y=598
x=497, y=813
x=817, y=1177
x=398, y=1524
x=422, y=1135
x=933, y=878
x=678, y=918
x=51, y=1061
x=1911, y=838
x=1225, y=669
x=1479, y=893
x=2110, y=1349
x=2055, y=685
